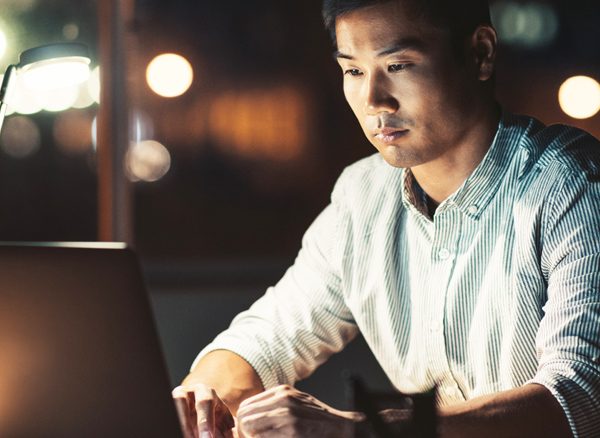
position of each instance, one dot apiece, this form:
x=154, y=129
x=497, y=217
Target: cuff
x=575, y=391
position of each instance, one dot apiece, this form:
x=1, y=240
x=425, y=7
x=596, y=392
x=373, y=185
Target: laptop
x=79, y=351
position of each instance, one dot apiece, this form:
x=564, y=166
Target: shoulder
x=368, y=194
x=562, y=150
x=563, y=182
x=365, y=167
x=367, y=177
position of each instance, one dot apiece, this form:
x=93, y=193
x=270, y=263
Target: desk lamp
x=46, y=67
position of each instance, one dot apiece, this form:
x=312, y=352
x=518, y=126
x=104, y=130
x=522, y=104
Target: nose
x=377, y=96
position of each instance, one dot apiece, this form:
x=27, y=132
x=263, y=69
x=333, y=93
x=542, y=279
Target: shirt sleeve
x=303, y=319
x=568, y=340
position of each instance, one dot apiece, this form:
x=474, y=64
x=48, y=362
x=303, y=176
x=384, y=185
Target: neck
x=441, y=177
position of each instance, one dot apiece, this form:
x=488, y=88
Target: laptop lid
x=79, y=352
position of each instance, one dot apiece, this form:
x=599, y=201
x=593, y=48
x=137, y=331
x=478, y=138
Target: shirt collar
x=413, y=196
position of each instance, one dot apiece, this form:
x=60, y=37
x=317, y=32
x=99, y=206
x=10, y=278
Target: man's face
x=404, y=83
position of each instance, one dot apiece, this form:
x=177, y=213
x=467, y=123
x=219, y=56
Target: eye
x=393, y=68
x=353, y=72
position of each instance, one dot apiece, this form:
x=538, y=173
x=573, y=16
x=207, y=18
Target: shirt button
x=473, y=209
x=444, y=254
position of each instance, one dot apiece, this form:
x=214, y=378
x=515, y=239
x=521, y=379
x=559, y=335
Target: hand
x=286, y=412
x=202, y=414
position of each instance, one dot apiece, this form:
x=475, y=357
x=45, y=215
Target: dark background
x=227, y=219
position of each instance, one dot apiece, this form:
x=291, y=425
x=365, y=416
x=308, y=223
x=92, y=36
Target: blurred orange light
x=264, y=124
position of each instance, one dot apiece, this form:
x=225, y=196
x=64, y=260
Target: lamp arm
x=8, y=78
x=5, y=91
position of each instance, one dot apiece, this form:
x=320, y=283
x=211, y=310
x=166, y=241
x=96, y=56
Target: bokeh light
x=23, y=100
x=530, y=25
x=20, y=137
x=73, y=132
x=84, y=98
x=147, y=160
x=579, y=97
x=70, y=31
x=169, y=75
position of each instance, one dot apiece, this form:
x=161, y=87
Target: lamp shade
x=53, y=51
x=54, y=65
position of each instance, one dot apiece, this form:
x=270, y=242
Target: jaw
x=400, y=156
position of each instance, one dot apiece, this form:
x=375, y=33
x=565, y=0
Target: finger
x=260, y=424
x=298, y=406
x=204, y=407
x=199, y=399
x=212, y=417
x=262, y=406
x=183, y=412
x=284, y=398
x=201, y=391
x=267, y=394
x=192, y=410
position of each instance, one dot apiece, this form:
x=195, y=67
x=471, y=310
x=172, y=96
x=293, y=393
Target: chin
x=395, y=162
x=397, y=158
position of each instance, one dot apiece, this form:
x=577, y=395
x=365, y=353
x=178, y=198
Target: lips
x=390, y=135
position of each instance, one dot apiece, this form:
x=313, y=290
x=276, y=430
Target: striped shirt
x=501, y=288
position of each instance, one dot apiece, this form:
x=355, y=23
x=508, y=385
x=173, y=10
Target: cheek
x=352, y=95
x=356, y=105
x=451, y=91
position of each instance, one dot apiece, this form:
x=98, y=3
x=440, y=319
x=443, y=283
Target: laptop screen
x=80, y=354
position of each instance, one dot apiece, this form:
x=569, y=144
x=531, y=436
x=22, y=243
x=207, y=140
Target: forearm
x=229, y=375
x=529, y=411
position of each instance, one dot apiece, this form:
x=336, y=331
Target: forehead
x=379, y=25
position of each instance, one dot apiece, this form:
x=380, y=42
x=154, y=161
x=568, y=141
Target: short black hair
x=459, y=17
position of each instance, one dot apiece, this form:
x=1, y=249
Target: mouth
x=390, y=135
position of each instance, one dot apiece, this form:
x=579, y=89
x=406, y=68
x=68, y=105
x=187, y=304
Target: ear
x=484, y=41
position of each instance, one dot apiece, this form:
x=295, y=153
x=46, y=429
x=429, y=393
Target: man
x=467, y=252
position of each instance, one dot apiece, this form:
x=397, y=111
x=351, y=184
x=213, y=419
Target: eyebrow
x=402, y=45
